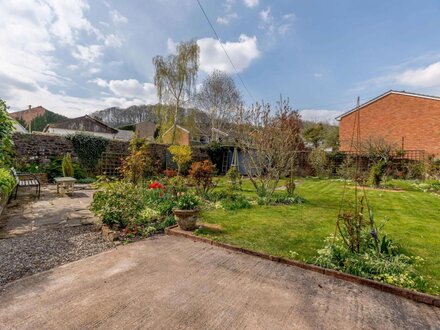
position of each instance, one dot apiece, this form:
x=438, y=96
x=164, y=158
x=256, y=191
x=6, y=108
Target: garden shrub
x=137, y=166
x=234, y=178
x=54, y=169
x=318, y=160
x=181, y=156
x=7, y=181
x=89, y=149
x=6, y=129
x=201, y=173
x=377, y=172
x=66, y=166
x=170, y=173
x=118, y=204
x=148, y=215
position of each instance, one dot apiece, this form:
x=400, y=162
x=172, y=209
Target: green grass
x=413, y=222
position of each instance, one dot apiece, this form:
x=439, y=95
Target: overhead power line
x=226, y=53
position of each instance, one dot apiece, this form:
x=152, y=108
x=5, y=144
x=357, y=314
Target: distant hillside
x=119, y=117
x=38, y=116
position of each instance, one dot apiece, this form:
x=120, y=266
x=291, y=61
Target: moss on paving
x=413, y=222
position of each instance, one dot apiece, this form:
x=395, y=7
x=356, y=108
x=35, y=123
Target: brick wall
x=397, y=116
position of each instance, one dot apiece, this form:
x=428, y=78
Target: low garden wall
x=41, y=148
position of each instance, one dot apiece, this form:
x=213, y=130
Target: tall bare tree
x=270, y=141
x=176, y=76
x=220, y=99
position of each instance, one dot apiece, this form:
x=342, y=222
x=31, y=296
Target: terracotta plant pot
x=186, y=219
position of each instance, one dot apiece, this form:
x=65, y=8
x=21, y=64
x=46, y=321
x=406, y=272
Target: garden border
x=412, y=295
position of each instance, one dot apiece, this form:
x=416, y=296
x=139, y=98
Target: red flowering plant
x=157, y=185
x=157, y=188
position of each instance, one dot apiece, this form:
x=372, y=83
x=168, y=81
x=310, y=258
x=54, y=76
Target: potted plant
x=186, y=211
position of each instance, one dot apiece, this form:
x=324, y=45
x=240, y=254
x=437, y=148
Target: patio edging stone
x=409, y=294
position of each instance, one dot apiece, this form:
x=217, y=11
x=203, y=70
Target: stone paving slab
x=169, y=282
x=27, y=213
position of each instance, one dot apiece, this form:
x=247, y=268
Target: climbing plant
x=88, y=148
x=6, y=130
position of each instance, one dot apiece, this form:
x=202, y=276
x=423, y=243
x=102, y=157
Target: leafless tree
x=176, y=76
x=270, y=142
x=220, y=99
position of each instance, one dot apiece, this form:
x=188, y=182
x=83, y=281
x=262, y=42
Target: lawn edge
x=409, y=294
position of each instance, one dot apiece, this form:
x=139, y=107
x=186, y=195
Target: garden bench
x=26, y=180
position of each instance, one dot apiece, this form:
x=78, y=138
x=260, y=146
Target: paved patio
x=170, y=282
x=27, y=213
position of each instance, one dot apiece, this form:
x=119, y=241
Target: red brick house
x=408, y=120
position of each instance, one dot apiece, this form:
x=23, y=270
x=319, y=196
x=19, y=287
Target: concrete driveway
x=175, y=283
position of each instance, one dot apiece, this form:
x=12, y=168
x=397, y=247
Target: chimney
x=30, y=107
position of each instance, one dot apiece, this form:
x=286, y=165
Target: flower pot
x=186, y=219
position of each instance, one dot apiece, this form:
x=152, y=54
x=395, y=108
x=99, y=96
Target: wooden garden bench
x=26, y=180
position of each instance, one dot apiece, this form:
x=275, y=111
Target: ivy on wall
x=89, y=149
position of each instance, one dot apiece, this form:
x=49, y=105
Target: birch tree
x=175, y=77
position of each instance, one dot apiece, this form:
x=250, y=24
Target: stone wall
x=42, y=148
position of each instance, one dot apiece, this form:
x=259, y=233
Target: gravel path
x=45, y=249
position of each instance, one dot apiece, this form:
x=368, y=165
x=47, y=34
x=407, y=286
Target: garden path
x=168, y=282
x=27, y=213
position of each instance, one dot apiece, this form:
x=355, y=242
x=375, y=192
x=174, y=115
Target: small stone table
x=66, y=183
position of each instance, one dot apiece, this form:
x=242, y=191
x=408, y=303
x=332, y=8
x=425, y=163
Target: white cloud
x=113, y=41
x=171, y=46
x=87, y=54
x=318, y=75
x=251, y=3
x=318, y=115
x=227, y=18
x=422, y=77
x=129, y=90
x=242, y=53
x=69, y=19
x=29, y=70
x=271, y=25
x=117, y=17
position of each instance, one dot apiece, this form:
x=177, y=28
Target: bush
x=54, y=169
x=7, y=181
x=377, y=172
x=170, y=173
x=181, y=156
x=137, y=166
x=118, y=204
x=234, y=178
x=6, y=130
x=66, y=165
x=318, y=160
x=201, y=173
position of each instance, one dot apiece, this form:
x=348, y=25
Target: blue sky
x=77, y=56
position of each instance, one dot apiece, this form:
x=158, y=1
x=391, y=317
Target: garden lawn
x=297, y=231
